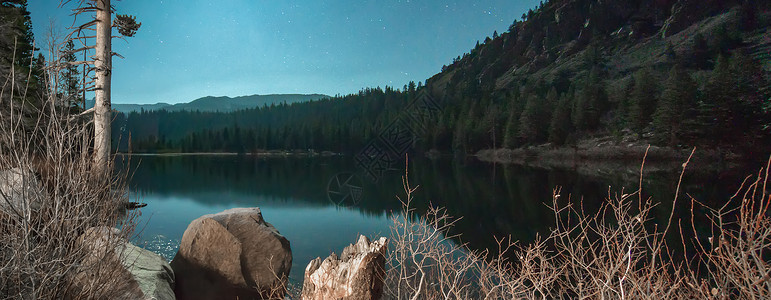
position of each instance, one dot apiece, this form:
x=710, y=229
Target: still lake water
x=295, y=195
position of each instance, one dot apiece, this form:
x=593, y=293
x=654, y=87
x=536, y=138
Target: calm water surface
x=295, y=196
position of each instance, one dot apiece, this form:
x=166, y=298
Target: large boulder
x=151, y=272
x=127, y=271
x=234, y=253
x=20, y=191
x=357, y=274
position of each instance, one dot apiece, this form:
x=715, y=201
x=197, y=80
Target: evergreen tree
x=643, y=101
x=459, y=137
x=579, y=113
x=676, y=108
x=560, y=125
x=487, y=127
x=753, y=103
x=511, y=133
x=533, y=124
x=16, y=46
x=592, y=57
x=622, y=97
x=37, y=79
x=552, y=98
x=717, y=107
x=70, y=76
x=472, y=136
x=591, y=103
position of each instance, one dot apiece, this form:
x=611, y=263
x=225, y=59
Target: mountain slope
x=565, y=38
x=590, y=52
x=219, y=104
x=227, y=104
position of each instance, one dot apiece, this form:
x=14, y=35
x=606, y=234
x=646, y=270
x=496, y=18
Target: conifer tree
x=622, y=96
x=753, y=103
x=470, y=129
x=16, y=47
x=512, y=130
x=676, y=108
x=560, y=124
x=716, y=110
x=533, y=124
x=552, y=98
x=70, y=76
x=643, y=100
x=579, y=113
x=37, y=88
x=487, y=127
x=459, y=137
x=591, y=103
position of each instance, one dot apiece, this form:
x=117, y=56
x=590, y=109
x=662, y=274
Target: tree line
x=667, y=107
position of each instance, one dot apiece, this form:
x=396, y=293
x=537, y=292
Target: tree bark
x=103, y=64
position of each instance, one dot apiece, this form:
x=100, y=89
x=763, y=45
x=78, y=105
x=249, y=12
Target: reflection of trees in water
x=506, y=201
x=201, y=178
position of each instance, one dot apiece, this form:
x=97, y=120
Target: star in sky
x=187, y=49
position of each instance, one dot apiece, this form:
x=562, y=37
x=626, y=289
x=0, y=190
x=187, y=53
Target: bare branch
x=88, y=24
x=88, y=111
x=75, y=63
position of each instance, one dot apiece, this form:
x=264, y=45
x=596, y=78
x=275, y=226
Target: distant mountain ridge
x=218, y=104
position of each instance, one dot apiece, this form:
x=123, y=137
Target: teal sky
x=187, y=49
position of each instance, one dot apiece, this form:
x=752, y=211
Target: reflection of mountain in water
x=241, y=179
x=493, y=201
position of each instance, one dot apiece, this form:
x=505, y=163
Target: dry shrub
x=424, y=263
x=51, y=198
x=737, y=254
x=617, y=252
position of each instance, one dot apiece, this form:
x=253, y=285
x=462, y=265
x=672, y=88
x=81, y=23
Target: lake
x=301, y=197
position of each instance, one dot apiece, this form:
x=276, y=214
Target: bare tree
x=103, y=68
x=102, y=25
x=49, y=203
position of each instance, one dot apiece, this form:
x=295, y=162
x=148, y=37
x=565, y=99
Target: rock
x=152, y=273
x=234, y=253
x=685, y=13
x=135, y=273
x=20, y=191
x=357, y=274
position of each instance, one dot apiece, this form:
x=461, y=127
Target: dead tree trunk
x=103, y=66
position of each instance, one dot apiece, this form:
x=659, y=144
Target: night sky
x=187, y=49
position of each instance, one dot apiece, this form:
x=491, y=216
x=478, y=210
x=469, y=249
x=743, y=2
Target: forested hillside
x=671, y=73
x=338, y=124
x=216, y=104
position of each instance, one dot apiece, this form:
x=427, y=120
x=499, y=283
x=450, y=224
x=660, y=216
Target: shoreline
x=615, y=160
x=265, y=154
